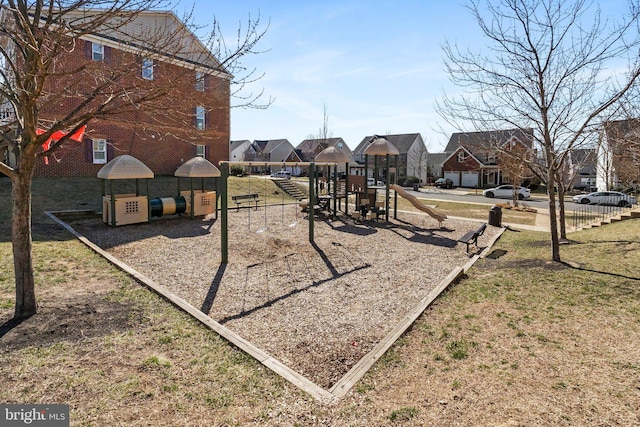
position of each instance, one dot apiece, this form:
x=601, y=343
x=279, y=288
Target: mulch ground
x=318, y=308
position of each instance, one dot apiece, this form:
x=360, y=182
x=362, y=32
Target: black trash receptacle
x=416, y=186
x=495, y=216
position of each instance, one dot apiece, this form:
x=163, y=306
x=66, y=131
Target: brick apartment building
x=190, y=116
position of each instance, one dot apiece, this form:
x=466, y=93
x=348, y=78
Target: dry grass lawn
x=519, y=341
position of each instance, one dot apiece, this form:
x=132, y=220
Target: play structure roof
x=125, y=167
x=381, y=147
x=332, y=154
x=198, y=167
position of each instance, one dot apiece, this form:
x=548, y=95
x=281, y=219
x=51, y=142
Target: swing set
x=225, y=166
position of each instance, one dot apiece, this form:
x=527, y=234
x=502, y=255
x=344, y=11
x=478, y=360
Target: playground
x=317, y=308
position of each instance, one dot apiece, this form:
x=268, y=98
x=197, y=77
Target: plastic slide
x=439, y=216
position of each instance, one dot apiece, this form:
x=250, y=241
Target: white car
x=613, y=198
x=506, y=192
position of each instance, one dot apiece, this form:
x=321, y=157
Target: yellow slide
x=439, y=216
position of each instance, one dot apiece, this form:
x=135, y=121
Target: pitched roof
x=318, y=144
x=477, y=140
x=159, y=33
x=234, y=145
x=619, y=129
x=402, y=142
x=579, y=156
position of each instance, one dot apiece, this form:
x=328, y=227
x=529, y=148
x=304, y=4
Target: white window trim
x=462, y=156
x=147, y=68
x=201, y=151
x=94, y=151
x=199, y=86
x=97, y=51
x=201, y=115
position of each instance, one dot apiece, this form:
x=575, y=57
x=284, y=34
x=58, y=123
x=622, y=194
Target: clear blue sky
x=376, y=65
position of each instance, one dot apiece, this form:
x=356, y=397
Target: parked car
x=443, y=183
x=506, y=192
x=281, y=174
x=612, y=198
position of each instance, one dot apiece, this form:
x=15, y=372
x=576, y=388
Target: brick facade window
x=199, y=81
x=200, y=118
x=147, y=68
x=97, y=52
x=201, y=151
x=462, y=156
x=99, y=151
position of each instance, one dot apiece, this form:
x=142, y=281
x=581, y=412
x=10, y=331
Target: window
x=97, y=52
x=99, y=151
x=462, y=156
x=200, y=116
x=200, y=81
x=147, y=68
x=491, y=158
x=201, y=151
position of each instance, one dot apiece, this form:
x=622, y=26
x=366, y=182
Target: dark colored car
x=443, y=183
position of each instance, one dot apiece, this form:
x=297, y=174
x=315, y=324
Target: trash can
x=495, y=216
x=416, y=186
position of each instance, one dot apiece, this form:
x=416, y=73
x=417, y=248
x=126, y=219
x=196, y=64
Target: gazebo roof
x=381, y=147
x=331, y=154
x=198, y=167
x=125, y=167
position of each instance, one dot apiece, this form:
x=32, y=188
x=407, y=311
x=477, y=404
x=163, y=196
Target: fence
x=584, y=215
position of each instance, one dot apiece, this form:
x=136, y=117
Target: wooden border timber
x=260, y=355
x=342, y=387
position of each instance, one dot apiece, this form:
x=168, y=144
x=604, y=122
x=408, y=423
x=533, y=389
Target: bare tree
x=417, y=161
x=510, y=159
x=51, y=96
x=549, y=66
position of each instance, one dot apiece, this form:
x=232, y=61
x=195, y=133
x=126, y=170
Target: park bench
x=472, y=236
x=245, y=198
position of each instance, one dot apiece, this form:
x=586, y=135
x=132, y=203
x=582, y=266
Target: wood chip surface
x=317, y=308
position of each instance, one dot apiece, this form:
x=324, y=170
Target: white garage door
x=454, y=177
x=470, y=179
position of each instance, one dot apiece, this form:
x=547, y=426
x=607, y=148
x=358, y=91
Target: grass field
x=518, y=341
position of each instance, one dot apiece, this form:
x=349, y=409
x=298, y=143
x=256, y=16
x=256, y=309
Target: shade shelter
x=201, y=202
x=121, y=209
x=334, y=155
x=381, y=147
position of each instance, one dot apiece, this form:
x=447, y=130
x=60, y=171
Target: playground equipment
x=224, y=220
x=382, y=147
x=438, y=216
x=199, y=202
x=334, y=156
x=122, y=209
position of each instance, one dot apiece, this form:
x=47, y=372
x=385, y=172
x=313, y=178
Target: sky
x=377, y=66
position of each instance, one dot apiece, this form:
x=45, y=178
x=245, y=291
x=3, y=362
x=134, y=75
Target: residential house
x=619, y=155
x=582, y=169
x=267, y=150
x=309, y=148
x=152, y=51
x=241, y=150
x=473, y=158
x=434, y=165
x=412, y=160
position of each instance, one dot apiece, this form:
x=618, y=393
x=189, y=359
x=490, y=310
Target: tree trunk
x=563, y=224
x=21, y=237
x=553, y=220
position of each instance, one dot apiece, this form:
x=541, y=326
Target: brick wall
x=162, y=134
